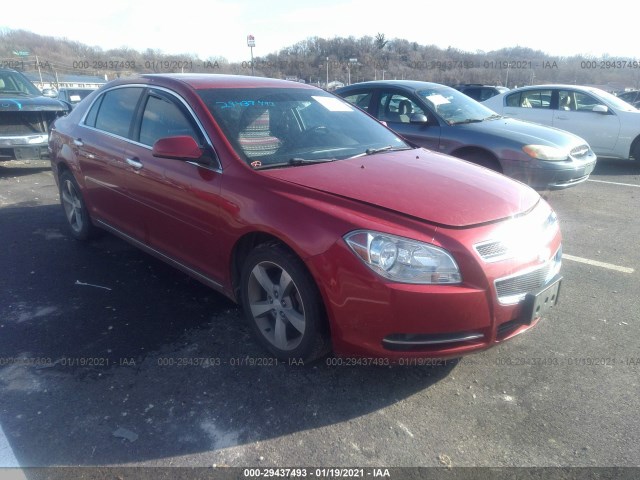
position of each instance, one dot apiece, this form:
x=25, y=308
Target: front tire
x=282, y=304
x=635, y=152
x=482, y=159
x=75, y=209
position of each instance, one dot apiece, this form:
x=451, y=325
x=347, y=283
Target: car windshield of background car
x=455, y=107
x=12, y=83
x=613, y=101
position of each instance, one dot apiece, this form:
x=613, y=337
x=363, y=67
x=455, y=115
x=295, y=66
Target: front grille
x=580, y=152
x=491, y=250
x=522, y=284
x=512, y=289
x=25, y=123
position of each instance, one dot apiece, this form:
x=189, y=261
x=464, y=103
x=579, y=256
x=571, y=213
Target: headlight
x=544, y=152
x=404, y=260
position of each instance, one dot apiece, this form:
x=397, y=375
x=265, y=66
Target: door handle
x=134, y=162
x=78, y=142
x=562, y=117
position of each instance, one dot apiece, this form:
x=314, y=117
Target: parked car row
x=331, y=230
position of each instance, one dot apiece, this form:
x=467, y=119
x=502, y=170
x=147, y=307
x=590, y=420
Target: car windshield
x=455, y=107
x=12, y=83
x=613, y=101
x=271, y=127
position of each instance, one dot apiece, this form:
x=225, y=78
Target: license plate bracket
x=537, y=304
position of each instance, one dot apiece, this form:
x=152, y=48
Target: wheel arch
x=468, y=153
x=242, y=249
x=244, y=245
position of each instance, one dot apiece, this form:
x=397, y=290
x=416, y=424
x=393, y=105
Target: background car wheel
x=482, y=159
x=74, y=207
x=282, y=304
x=635, y=152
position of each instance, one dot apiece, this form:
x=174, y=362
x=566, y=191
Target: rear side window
x=530, y=99
x=116, y=110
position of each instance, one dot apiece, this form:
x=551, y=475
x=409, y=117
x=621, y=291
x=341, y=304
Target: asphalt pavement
x=109, y=357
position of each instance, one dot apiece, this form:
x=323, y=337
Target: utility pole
x=326, y=85
x=39, y=72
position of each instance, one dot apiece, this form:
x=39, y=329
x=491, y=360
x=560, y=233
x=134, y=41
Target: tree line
x=320, y=61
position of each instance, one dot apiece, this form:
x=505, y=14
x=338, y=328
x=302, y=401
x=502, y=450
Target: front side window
x=116, y=110
x=163, y=118
x=292, y=126
x=397, y=108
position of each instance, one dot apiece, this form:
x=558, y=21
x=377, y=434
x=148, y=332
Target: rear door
x=533, y=105
x=99, y=144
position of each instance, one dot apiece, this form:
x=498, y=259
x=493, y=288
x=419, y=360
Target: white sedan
x=610, y=125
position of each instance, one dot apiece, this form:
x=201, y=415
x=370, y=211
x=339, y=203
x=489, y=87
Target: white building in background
x=47, y=80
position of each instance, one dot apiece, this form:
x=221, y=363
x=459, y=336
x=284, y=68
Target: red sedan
x=328, y=229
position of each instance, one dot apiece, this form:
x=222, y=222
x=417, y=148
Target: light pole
x=352, y=61
x=251, y=42
x=326, y=85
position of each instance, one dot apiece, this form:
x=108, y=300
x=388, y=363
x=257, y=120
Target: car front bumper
x=24, y=147
x=547, y=175
x=372, y=317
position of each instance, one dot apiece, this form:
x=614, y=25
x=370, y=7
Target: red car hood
x=430, y=186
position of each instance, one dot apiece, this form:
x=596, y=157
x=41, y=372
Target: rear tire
x=635, y=152
x=75, y=209
x=282, y=304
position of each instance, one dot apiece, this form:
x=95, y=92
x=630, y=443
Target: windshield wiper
x=495, y=116
x=295, y=161
x=468, y=120
x=373, y=151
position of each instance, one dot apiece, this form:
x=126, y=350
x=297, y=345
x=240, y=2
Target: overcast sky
x=220, y=27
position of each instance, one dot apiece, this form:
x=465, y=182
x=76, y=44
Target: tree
x=381, y=42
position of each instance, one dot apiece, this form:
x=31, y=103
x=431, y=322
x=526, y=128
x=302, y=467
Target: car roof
x=408, y=84
x=199, y=81
x=558, y=85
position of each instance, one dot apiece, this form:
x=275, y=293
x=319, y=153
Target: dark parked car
x=480, y=92
x=632, y=97
x=73, y=96
x=444, y=120
x=322, y=223
x=25, y=117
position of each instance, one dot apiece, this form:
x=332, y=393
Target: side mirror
x=418, y=118
x=182, y=147
x=600, y=109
